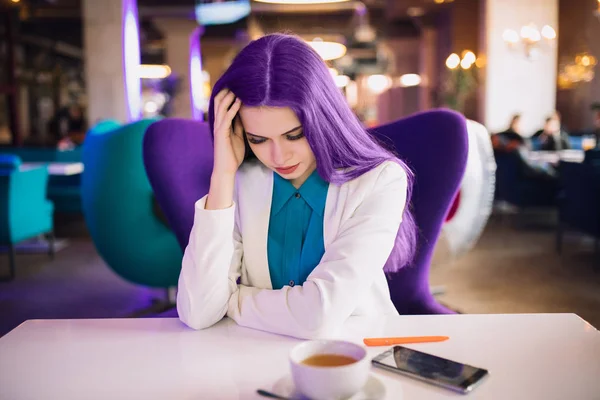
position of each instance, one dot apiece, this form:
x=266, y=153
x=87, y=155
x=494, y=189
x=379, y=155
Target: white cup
x=329, y=383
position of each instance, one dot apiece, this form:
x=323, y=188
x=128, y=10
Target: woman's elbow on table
x=318, y=324
x=197, y=317
x=325, y=331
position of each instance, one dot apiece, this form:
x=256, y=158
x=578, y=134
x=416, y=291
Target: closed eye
x=254, y=140
x=258, y=140
x=295, y=137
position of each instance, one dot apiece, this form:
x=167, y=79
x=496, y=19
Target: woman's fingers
x=217, y=101
x=235, y=107
x=224, y=105
x=238, y=128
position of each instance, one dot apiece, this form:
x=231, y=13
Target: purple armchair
x=434, y=144
x=178, y=158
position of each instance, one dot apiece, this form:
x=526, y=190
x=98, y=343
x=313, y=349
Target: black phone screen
x=430, y=368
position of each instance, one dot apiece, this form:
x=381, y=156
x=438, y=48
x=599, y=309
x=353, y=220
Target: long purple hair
x=281, y=70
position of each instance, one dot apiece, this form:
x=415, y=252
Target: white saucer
x=373, y=389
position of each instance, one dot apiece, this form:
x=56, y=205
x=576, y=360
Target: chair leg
x=597, y=254
x=171, y=295
x=11, y=264
x=51, y=244
x=559, y=237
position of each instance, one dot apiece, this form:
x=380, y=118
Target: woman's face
x=277, y=139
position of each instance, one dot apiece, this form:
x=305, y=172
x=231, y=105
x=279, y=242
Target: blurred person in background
x=510, y=139
x=552, y=137
x=68, y=126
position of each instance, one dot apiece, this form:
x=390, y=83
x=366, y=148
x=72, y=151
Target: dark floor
x=514, y=268
x=511, y=270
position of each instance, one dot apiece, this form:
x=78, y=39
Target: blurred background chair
x=579, y=202
x=118, y=206
x=65, y=190
x=25, y=212
x=523, y=185
x=178, y=156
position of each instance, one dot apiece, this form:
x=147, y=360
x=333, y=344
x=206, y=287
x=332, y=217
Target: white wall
x=514, y=84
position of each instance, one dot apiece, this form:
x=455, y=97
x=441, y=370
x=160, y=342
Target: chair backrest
x=580, y=198
x=9, y=162
x=434, y=144
x=592, y=157
x=178, y=156
x=24, y=209
x=117, y=204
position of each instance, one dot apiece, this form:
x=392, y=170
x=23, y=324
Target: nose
x=280, y=155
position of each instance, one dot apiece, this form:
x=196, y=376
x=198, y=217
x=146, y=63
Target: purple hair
x=281, y=70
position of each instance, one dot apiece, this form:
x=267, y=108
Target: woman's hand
x=229, y=148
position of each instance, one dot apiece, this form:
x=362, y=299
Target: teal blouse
x=295, y=240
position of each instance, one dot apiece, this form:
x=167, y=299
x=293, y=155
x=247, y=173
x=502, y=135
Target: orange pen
x=403, y=340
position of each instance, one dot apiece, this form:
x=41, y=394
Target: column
x=515, y=83
x=112, y=58
x=182, y=40
x=427, y=67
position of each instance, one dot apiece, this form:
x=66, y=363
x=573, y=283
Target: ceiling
x=391, y=18
x=60, y=21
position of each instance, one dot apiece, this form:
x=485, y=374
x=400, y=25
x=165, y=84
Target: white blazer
x=360, y=224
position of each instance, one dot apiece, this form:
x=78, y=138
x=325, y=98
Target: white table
x=553, y=157
x=535, y=356
x=57, y=168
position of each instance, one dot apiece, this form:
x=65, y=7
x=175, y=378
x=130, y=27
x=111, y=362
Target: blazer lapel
x=256, y=195
x=256, y=210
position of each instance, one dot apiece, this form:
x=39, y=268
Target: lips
x=287, y=170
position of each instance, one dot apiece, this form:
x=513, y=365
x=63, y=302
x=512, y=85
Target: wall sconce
x=597, y=12
x=530, y=39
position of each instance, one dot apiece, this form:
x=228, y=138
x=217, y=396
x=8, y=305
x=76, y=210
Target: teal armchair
x=25, y=212
x=118, y=208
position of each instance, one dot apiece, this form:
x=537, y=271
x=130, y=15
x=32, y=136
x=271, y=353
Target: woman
x=304, y=207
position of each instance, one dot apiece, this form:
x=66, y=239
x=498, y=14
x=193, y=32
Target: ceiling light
x=415, y=12
x=379, y=83
x=408, y=80
x=149, y=71
x=341, y=80
x=300, y=1
x=328, y=50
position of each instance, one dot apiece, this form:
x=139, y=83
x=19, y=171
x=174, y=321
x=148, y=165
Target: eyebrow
x=285, y=133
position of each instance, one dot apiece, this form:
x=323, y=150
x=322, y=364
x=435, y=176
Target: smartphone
x=461, y=378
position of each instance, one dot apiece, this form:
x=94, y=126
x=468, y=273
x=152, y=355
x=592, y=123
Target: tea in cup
x=329, y=369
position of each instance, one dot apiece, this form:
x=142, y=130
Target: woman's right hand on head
x=229, y=147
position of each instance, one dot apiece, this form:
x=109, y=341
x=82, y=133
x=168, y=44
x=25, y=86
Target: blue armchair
x=523, y=185
x=579, y=202
x=119, y=210
x=25, y=211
